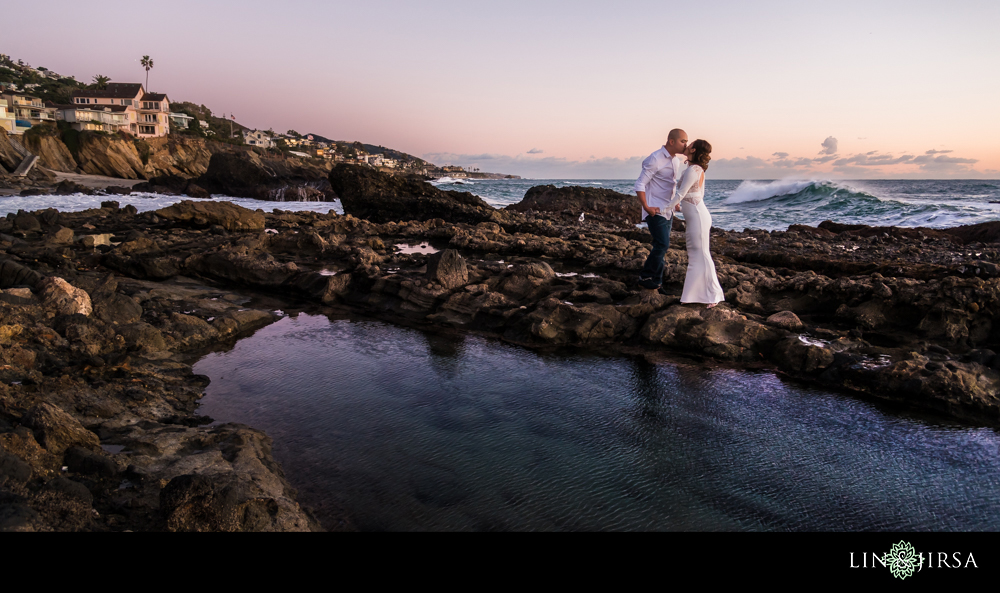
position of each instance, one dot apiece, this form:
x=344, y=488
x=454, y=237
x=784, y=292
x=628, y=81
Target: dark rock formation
x=229, y=216
x=380, y=197
x=448, y=269
x=603, y=204
x=249, y=175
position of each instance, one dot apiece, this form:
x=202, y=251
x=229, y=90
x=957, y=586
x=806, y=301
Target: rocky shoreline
x=103, y=309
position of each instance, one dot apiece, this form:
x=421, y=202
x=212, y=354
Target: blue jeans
x=652, y=271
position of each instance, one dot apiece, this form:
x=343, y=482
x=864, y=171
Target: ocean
x=734, y=205
x=774, y=205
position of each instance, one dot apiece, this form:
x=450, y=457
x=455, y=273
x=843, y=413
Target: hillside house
x=257, y=138
x=180, y=121
x=27, y=110
x=7, y=120
x=96, y=118
x=148, y=113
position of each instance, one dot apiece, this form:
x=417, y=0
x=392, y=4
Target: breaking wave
x=791, y=190
x=450, y=181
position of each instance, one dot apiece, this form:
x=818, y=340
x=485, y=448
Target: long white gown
x=701, y=284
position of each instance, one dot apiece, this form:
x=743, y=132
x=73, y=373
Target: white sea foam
x=145, y=202
x=451, y=181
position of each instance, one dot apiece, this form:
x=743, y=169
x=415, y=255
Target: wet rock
x=294, y=241
x=117, y=309
x=238, y=322
x=26, y=223
x=250, y=175
x=204, y=503
x=190, y=332
x=584, y=324
x=196, y=191
x=70, y=488
x=63, y=297
x=63, y=236
x=229, y=216
x=448, y=269
x=142, y=257
x=13, y=274
x=90, y=462
x=13, y=469
x=596, y=203
x=57, y=431
x=143, y=337
x=20, y=518
x=727, y=335
x=662, y=327
x=67, y=187
x=798, y=356
x=22, y=444
x=380, y=197
x=786, y=320
x=242, y=265
x=323, y=288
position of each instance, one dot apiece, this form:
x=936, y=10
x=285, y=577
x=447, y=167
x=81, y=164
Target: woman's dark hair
x=701, y=155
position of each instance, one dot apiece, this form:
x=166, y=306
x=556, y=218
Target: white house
x=100, y=118
x=257, y=138
x=180, y=121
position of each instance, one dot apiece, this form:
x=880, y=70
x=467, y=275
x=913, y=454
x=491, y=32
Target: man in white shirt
x=655, y=188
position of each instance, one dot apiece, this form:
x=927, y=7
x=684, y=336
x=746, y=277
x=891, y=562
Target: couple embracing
x=673, y=179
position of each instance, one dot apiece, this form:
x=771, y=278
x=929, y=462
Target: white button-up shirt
x=658, y=179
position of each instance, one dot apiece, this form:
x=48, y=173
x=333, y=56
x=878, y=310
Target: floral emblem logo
x=902, y=560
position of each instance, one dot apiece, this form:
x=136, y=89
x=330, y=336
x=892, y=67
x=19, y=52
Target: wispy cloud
x=873, y=159
x=934, y=161
x=536, y=151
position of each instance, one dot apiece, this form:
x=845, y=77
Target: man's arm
x=649, y=169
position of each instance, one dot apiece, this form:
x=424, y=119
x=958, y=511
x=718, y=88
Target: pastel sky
x=545, y=89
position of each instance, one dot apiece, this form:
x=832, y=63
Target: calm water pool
x=402, y=430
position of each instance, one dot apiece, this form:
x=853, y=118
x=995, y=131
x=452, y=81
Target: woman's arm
x=690, y=177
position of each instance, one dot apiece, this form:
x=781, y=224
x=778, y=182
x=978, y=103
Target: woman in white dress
x=701, y=284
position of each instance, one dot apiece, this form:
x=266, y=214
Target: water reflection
x=404, y=430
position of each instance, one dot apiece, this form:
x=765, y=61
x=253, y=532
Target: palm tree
x=147, y=63
x=101, y=82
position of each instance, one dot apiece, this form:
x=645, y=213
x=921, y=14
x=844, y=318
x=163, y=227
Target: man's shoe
x=648, y=283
